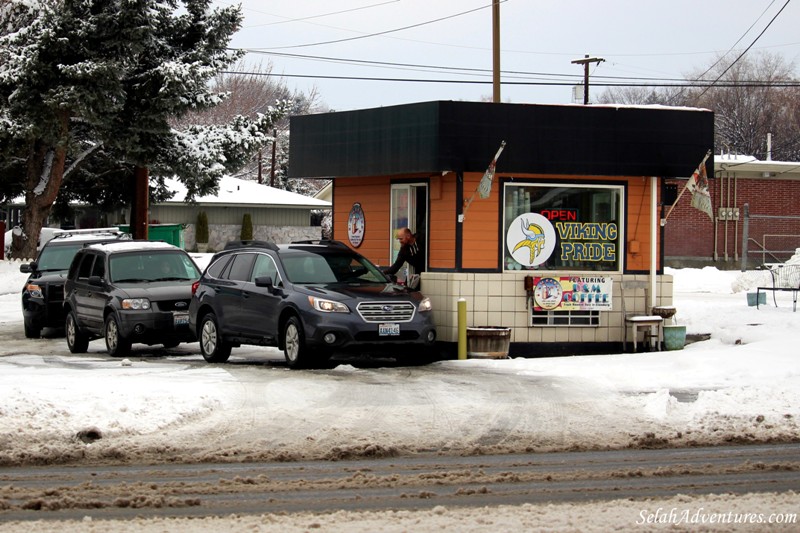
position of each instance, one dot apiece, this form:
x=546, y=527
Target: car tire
x=116, y=344
x=294, y=344
x=77, y=341
x=212, y=345
x=31, y=331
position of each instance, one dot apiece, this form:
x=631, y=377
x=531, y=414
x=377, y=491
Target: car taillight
x=194, y=286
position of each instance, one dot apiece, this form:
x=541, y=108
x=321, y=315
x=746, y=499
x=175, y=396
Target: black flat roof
x=432, y=137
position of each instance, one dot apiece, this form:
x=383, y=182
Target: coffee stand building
x=573, y=209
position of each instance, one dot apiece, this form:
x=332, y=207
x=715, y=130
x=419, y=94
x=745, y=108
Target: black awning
x=433, y=137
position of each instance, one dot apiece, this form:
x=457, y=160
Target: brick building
x=771, y=190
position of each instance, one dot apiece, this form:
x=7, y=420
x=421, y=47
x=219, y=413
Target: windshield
x=57, y=257
x=330, y=267
x=154, y=266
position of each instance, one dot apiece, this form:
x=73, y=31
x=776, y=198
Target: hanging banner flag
x=485, y=186
x=698, y=186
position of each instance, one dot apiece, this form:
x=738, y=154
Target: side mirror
x=27, y=268
x=265, y=281
x=95, y=281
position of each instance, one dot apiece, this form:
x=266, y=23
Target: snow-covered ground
x=741, y=384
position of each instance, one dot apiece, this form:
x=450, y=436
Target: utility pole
x=139, y=208
x=585, y=62
x=272, y=170
x=496, y=51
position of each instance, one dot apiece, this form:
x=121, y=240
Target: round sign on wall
x=531, y=239
x=356, y=225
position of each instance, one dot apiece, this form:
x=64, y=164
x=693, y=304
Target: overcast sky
x=663, y=40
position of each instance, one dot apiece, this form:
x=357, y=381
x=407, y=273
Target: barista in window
x=412, y=252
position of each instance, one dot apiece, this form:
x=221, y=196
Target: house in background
x=277, y=215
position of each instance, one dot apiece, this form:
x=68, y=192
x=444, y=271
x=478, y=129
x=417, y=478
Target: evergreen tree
x=87, y=80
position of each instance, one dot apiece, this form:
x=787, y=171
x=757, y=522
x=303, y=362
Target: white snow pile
x=740, y=384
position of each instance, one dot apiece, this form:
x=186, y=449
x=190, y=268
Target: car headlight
x=425, y=305
x=34, y=290
x=327, y=306
x=136, y=304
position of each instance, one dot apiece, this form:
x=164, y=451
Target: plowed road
x=57, y=493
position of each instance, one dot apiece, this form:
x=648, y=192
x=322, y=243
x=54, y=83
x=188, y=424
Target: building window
x=565, y=318
x=574, y=228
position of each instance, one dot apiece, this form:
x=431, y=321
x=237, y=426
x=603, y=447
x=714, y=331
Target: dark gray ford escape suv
x=136, y=291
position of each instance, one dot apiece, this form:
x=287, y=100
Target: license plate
x=181, y=319
x=386, y=330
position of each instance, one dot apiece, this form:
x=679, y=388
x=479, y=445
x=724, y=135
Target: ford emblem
x=180, y=305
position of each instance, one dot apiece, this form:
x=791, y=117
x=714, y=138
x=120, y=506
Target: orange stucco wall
x=374, y=196
x=637, y=228
x=481, y=225
x=442, y=222
x=480, y=249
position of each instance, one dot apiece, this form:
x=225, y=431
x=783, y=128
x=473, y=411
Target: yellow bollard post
x=462, y=328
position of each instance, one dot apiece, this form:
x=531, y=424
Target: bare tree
x=750, y=99
x=633, y=96
x=750, y=103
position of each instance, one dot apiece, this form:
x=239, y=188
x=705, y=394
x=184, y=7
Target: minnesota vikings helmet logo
x=530, y=240
x=534, y=239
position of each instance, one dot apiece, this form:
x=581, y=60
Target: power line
x=745, y=50
x=696, y=83
x=386, y=32
x=429, y=68
x=310, y=17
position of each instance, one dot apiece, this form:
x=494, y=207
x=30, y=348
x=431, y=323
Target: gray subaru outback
x=310, y=299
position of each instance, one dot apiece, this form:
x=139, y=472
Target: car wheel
x=294, y=344
x=77, y=341
x=116, y=344
x=31, y=331
x=212, y=346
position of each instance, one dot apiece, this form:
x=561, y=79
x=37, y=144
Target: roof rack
x=63, y=234
x=109, y=241
x=232, y=245
x=325, y=242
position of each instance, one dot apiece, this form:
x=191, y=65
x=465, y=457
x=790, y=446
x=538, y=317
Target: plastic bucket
x=674, y=337
x=488, y=342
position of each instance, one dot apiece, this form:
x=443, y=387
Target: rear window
x=241, y=267
x=215, y=268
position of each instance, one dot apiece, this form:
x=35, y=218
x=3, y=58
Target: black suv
x=43, y=293
x=310, y=299
x=136, y=291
